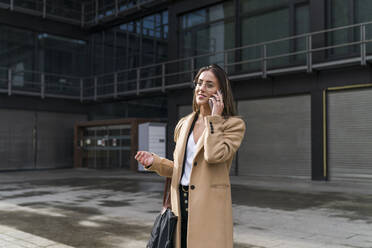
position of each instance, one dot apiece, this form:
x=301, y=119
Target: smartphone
x=211, y=102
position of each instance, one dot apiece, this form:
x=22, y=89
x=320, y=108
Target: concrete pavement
x=13, y=238
x=104, y=209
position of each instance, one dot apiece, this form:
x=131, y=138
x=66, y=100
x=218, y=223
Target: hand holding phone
x=210, y=101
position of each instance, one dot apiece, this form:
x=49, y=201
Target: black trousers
x=184, y=202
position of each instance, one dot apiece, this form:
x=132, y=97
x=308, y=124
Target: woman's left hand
x=218, y=105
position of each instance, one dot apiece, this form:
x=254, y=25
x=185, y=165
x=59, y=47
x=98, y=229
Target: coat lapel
x=200, y=144
x=182, y=138
x=184, y=133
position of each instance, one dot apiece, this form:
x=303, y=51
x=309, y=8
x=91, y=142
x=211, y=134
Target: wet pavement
x=112, y=209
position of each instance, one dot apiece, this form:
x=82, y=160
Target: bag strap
x=167, y=195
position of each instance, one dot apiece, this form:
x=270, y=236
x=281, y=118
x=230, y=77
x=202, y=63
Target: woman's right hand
x=145, y=158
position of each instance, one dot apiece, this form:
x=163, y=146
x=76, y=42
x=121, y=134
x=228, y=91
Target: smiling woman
x=200, y=188
x=214, y=78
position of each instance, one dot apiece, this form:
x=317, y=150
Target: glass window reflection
x=194, y=18
x=206, y=31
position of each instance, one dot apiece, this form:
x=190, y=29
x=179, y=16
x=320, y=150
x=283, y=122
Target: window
x=347, y=12
x=205, y=31
x=132, y=44
x=247, y=6
x=302, y=26
x=279, y=23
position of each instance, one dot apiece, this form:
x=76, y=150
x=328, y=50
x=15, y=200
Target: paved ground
x=109, y=209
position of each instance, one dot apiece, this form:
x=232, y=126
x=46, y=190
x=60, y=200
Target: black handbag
x=165, y=223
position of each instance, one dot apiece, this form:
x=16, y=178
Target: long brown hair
x=228, y=99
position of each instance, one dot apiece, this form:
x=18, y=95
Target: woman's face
x=206, y=86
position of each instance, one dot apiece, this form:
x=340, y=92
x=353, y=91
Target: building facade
x=299, y=69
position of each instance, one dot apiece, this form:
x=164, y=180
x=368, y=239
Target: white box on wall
x=152, y=138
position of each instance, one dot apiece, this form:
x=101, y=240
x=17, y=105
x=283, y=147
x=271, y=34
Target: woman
x=206, y=141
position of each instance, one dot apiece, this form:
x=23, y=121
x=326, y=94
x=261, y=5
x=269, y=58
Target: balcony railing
x=98, y=11
x=85, y=14
x=301, y=53
x=41, y=84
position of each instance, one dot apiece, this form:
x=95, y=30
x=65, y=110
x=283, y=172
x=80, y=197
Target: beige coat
x=210, y=221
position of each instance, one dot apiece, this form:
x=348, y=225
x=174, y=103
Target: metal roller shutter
x=31, y=140
x=350, y=134
x=55, y=136
x=17, y=147
x=277, y=141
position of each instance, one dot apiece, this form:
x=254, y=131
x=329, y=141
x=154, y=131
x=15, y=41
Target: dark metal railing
x=290, y=54
x=85, y=14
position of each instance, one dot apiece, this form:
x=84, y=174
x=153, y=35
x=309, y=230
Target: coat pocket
x=220, y=186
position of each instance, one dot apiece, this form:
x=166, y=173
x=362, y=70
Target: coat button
x=192, y=187
x=195, y=163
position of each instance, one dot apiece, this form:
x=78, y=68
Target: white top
x=191, y=147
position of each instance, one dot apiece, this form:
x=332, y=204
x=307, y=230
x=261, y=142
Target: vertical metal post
x=44, y=9
x=163, y=77
x=127, y=50
x=82, y=14
x=226, y=61
x=192, y=66
x=116, y=8
x=140, y=43
x=95, y=88
x=9, y=81
x=138, y=80
x=309, y=53
x=103, y=50
x=95, y=149
x=324, y=103
x=115, y=85
x=119, y=141
x=96, y=11
x=34, y=140
x=264, y=61
x=114, y=56
x=11, y=5
x=363, y=44
x=105, y=140
x=81, y=90
x=42, y=85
